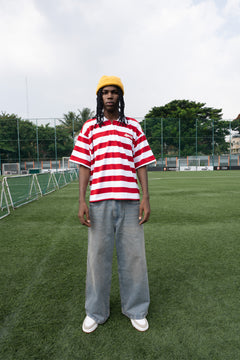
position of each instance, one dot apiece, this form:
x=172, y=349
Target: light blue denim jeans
x=116, y=220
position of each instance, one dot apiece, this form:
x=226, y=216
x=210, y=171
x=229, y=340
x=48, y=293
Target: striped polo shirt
x=113, y=153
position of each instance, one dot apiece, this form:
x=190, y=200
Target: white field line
x=194, y=177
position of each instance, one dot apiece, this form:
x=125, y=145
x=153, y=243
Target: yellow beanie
x=110, y=80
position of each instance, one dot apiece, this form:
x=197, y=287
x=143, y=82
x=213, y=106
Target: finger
x=87, y=216
x=145, y=218
x=87, y=223
x=82, y=219
x=140, y=213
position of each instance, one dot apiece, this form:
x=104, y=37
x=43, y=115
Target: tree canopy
x=235, y=125
x=73, y=122
x=183, y=126
x=30, y=138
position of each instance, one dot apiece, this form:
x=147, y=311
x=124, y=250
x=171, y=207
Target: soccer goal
x=186, y=164
x=10, y=169
x=22, y=189
x=66, y=164
x=4, y=207
x=192, y=164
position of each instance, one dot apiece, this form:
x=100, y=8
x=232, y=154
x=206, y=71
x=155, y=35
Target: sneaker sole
x=88, y=331
x=139, y=328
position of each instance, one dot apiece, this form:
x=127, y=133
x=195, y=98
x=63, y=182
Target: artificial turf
x=193, y=253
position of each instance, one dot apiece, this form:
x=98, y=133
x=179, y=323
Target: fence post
x=162, y=141
x=37, y=143
x=55, y=132
x=230, y=142
x=179, y=138
x=196, y=138
x=19, y=156
x=213, y=144
x=73, y=130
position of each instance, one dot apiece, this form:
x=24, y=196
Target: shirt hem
x=93, y=201
x=80, y=163
x=150, y=162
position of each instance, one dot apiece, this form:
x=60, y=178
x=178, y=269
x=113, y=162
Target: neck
x=111, y=115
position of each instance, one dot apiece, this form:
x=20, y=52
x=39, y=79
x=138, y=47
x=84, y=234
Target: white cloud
x=232, y=8
x=162, y=50
x=22, y=35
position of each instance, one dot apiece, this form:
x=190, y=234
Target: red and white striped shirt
x=113, y=153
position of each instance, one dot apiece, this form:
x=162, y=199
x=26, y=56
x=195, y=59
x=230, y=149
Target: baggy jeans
x=116, y=220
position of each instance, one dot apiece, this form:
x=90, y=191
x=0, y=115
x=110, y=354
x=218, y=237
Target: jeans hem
x=134, y=317
x=95, y=319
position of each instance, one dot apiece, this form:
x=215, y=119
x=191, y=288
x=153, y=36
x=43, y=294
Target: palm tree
x=84, y=115
x=69, y=121
x=73, y=122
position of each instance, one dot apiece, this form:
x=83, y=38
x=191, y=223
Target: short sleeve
x=81, y=151
x=142, y=152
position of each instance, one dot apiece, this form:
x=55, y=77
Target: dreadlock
x=100, y=114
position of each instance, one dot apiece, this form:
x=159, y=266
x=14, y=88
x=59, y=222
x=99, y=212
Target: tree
x=73, y=122
x=186, y=127
x=84, y=115
x=31, y=140
x=235, y=125
x=8, y=137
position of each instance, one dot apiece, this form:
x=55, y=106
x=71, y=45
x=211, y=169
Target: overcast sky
x=53, y=53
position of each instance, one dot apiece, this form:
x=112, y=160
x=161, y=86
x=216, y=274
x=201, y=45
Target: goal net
x=66, y=164
x=22, y=189
x=193, y=164
x=3, y=201
x=188, y=164
x=10, y=169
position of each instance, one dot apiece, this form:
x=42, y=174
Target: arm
x=144, y=205
x=83, y=212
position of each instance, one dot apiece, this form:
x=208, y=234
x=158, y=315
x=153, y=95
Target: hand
x=83, y=214
x=144, y=209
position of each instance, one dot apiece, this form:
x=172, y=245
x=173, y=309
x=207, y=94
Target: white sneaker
x=140, y=324
x=89, y=325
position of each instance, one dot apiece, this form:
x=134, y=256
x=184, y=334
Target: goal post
x=4, y=207
x=67, y=164
x=186, y=164
x=10, y=169
x=192, y=164
x=22, y=189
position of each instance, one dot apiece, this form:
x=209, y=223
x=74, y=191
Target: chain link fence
x=44, y=143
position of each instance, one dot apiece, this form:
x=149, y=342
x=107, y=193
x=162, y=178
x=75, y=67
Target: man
x=112, y=152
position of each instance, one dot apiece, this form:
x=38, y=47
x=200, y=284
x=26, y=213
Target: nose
x=109, y=95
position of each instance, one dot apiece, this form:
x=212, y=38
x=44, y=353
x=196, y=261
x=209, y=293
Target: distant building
x=235, y=141
x=235, y=144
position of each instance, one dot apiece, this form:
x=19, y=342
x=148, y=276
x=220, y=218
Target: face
x=110, y=98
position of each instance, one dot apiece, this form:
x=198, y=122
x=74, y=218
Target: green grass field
x=193, y=253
